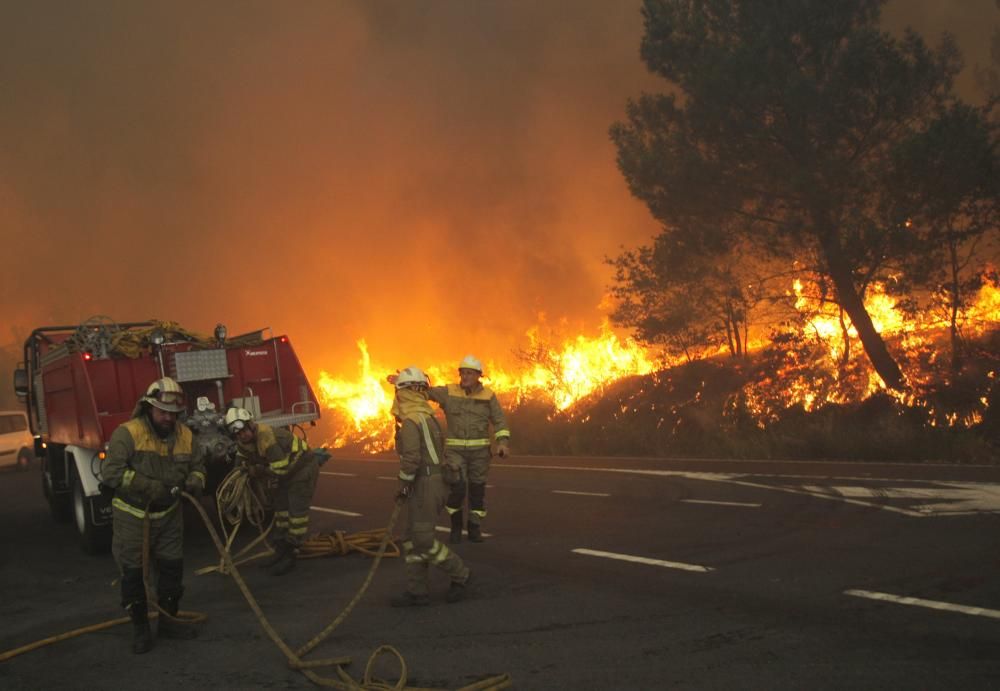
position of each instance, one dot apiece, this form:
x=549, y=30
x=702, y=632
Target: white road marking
x=972, y=497
x=722, y=503
x=336, y=511
x=582, y=494
x=644, y=560
x=323, y=472
x=930, y=604
x=982, y=497
x=442, y=529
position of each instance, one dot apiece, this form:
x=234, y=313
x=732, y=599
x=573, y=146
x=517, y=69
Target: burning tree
x=782, y=126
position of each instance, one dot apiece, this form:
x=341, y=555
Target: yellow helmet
x=165, y=394
x=237, y=419
x=471, y=362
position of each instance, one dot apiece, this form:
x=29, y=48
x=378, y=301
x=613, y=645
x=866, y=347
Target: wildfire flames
x=559, y=375
x=563, y=374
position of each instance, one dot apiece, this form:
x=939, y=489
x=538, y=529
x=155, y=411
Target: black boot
x=168, y=628
x=280, y=547
x=456, y=591
x=142, y=640
x=287, y=561
x=456, y=527
x=475, y=534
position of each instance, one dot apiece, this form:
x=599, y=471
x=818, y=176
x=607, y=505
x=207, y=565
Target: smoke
x=430, y=176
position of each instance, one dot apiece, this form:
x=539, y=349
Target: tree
x=781, y=124
x=687, y=292
x=947, y=173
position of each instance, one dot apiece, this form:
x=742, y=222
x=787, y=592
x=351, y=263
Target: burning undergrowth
x=754, y=408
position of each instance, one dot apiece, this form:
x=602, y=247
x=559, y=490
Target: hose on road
x=294, y=658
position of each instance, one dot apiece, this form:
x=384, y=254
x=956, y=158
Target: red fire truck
x=80, y=382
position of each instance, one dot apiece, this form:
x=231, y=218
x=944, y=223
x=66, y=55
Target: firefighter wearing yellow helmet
x=470, y=409
x=149, y=458
x=278, y=455
x=420, y=449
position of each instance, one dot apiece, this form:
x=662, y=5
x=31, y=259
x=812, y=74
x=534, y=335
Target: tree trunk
x=956, y=301
x=736, y=336
x=847, y=296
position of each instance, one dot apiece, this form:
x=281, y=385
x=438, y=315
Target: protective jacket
x=139, y=465
x=278, y=449
x=138, y=460
x=297, y=470
x=469, y=415
x=418, y=442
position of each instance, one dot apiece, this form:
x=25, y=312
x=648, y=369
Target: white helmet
x=237, y=419
x=165, y=394
x=471, y=362
x=411, y=376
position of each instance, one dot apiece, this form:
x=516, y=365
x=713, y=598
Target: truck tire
x=24, y=459
x=94, y=538
x=60, y=503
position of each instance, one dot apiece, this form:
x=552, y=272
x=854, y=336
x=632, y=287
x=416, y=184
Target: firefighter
x=149, y=459
x=277, y=454
x=418, y=443
x=470, y=408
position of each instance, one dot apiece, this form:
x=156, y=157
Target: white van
x=16, y=443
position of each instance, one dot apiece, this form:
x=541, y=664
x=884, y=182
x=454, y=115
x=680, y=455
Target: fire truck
x=79, y=383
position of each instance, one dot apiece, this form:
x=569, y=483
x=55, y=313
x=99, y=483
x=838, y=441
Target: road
x=598, y=574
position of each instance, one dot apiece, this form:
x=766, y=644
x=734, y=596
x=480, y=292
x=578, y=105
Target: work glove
x=194, y=485
x=159, y=491
x=405, y=490
x=503, y=451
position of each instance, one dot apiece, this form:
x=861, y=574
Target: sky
x=434, y=176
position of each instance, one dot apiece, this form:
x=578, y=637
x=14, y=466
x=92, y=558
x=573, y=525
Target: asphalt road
x=598, y=574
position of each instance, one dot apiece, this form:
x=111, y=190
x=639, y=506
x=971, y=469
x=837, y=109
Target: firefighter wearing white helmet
x=276, y=454
x=149, y=458
x=420, y=449
x=470, y=409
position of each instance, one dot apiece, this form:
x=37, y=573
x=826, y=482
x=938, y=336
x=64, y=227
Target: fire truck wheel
x=24, y=459
x=60, y=503
x=94, y=538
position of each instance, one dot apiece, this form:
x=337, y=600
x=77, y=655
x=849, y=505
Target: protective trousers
x=291, y=504
x=166, y=551
x=475, y=464
x=420, y=548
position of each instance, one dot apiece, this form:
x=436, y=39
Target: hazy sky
x=429, y=175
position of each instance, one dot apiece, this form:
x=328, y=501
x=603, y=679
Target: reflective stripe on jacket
x=469, y=415
x=419, y=448
x=276, y=448
x=138, y=461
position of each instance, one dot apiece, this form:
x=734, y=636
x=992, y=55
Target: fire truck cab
x=78, y=383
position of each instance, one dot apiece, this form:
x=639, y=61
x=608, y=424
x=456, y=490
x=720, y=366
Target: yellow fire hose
x=346, y=682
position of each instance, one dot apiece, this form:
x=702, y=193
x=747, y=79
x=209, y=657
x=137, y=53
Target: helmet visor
x=170, y=401
x=236, y=425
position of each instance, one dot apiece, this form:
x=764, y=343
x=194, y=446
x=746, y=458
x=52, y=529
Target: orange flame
x=563, y=375
x=560, y=376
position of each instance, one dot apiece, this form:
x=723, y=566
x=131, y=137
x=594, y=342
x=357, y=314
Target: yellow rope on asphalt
x=294, y=658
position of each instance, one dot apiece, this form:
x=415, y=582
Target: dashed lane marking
x=324, y=472
x=582, y=494
x=643, y=560
x=930, y=604
x=722, y=503
x=336, y=511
